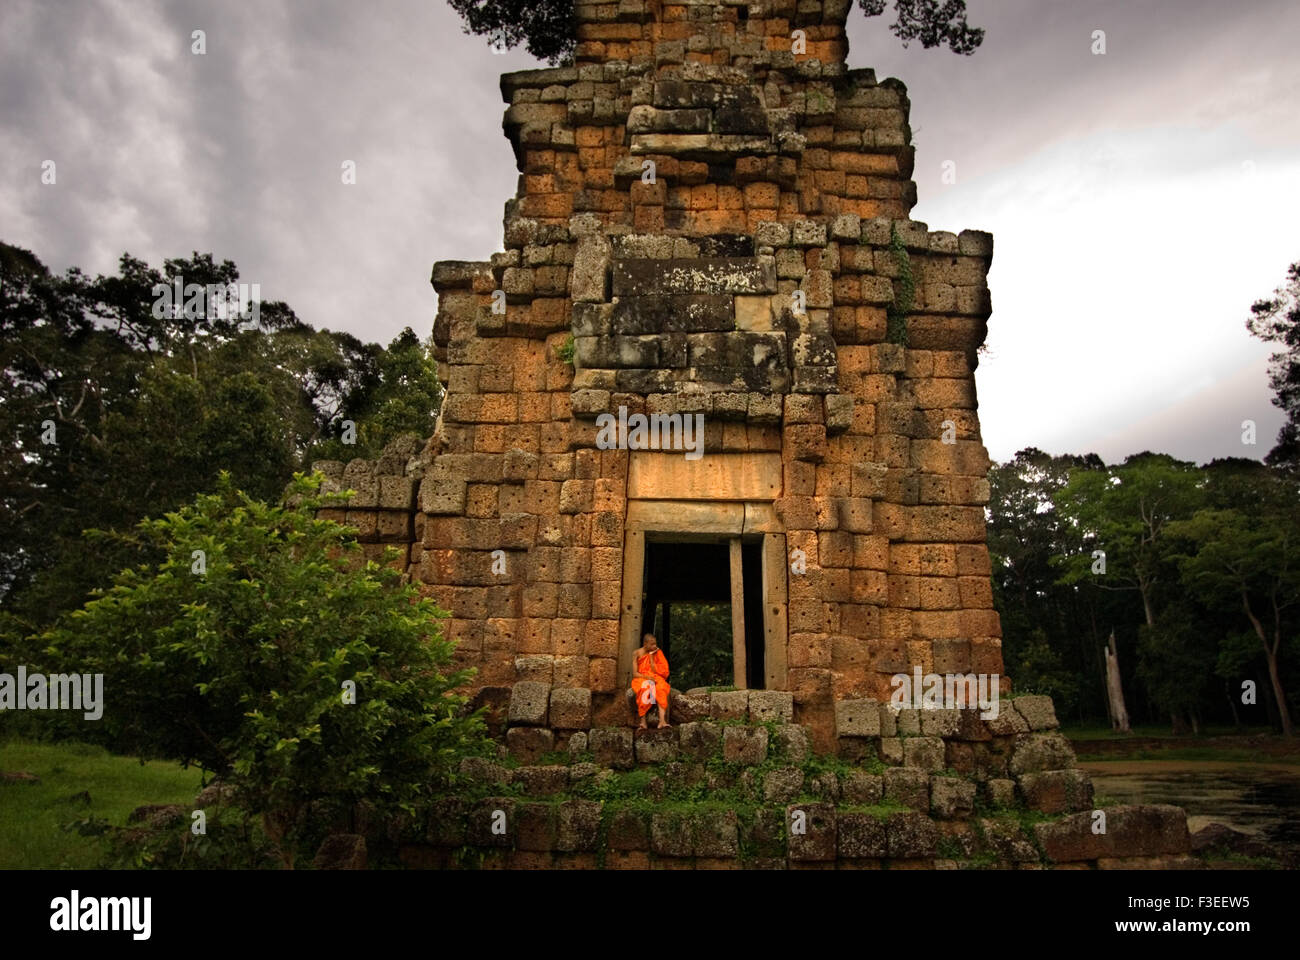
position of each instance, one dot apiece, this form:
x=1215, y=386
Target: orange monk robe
x=650, y=692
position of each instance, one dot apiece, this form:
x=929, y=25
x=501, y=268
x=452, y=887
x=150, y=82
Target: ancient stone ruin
x=713, y=217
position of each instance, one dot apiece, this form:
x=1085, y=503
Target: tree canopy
x=113, y=410
x=547, y=28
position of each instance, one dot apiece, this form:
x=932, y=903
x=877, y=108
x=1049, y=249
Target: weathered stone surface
x=700, y=740
x=857, y=718
x=810, y=828
x=1057, y=791
x=746, y=745
x=611, y=746
x=1001, y=793
x=536, y=827
x=698, y=276
x=792, y=744
x=579, y=827
x=951, y=797
x=911, y=836
x=491, y=822
x=480, y=770
x=860, y=787
x=782, y=785
x=570, y=708
x=715, y=834
x=940, y=723
x=629, y=830
x=771, y=705
x=909, y=722
x=1005, y=839
x=730, y=704
x=670, y=835
x=1008, y=721
x=1133, y=831
x=688, y=707
x=924, y=753
x=341, y=851
x=861, y=836
x=1037, y=711
x=656, y=746
x=543, y=781
x=529, y=744
x=908, y=787
x=529, y=703
x=1041, y=751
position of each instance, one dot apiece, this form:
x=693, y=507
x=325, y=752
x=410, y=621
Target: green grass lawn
x=1098, y=732
x=32, y=817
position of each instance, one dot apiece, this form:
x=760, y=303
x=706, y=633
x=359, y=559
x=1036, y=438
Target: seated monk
x=650, y=680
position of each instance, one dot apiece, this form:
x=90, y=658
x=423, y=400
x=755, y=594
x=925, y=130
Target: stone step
x=537, y=704
x=590, y=833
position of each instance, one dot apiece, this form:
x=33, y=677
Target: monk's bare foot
x=642, y=726
x=664, y=724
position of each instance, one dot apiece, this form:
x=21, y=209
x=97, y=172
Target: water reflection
x=1260, y=799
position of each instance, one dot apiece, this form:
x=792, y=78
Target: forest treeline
x=114, y=411
x=1196, y=571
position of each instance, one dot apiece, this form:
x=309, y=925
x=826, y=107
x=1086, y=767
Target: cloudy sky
x=1140, y=200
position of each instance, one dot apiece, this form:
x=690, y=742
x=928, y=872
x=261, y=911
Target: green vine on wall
x=905, y=294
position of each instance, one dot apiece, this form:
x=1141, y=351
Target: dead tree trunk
x=1115, y=690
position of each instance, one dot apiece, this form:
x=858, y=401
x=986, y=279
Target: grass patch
x=33, y=817
x=1210, y=754
x=1160, y=731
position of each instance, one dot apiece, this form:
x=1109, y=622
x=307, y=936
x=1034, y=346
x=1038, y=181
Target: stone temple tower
x=712, y=228
x=713, y=217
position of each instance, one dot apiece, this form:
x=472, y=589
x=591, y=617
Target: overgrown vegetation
x=113, y=408
x=258, y=648
x=904, y=294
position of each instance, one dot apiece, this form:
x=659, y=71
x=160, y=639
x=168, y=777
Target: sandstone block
x=570, y=708
x=861, y=836
x=611, y=746
x=529, y=702
x=857, y=718
x=747, y=745
x=782, y=785
x=816, y=841
x=771, y=705
x=1035, y=752
x=1037, y=711
x=729, y=704
x=1057, y=791
x=911, y=836
x=907, y=786
x=699, y=740
x=1134, y=831
x=656, y=746
x=924, y=753
x=951, y=797
x=860, y=787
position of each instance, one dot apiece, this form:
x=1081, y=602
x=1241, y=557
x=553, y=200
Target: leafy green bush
x=241, y=649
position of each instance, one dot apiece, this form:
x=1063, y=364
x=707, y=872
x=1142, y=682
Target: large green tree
x=1276, y=319
x=1247, y=556
x=260, y=648
x=113, y=408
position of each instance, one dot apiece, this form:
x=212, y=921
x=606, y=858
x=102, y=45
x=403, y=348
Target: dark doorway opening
x=688, y=606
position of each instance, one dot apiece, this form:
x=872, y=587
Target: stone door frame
x=709, y=522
